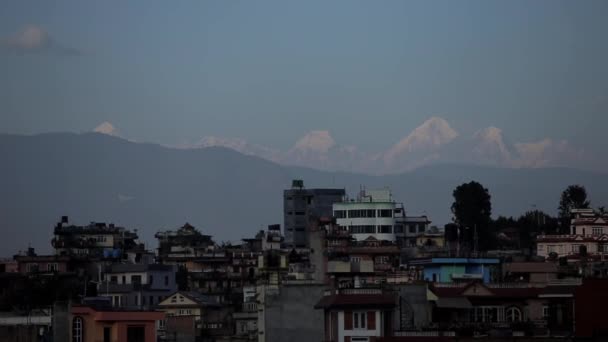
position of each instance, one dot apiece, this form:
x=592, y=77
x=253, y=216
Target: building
x=303, y=206
x=449, y=270
x=413, y=228
x=373, y=213
x=482, y=307
x=357, y=315
x=41, y=264
x=187, y=306
x=97, y=240
x=591, y=299
x=588, y=237
x=137, y=286
x=540, y=273
x=96, y=323
x=177, y=246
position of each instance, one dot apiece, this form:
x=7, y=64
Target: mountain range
x=434, y=141
x=228, y=194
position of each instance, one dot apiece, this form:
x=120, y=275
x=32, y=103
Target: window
x=150, y=280
x=166, y=280
x=597, y=230
x=124, y=279
x=355, y=259
x=366, y=229
x=382, y=259
x=546, y=311
x=421, y=228
x=136, y=279
x=174, y=299
x=151, y=300
x=412, y=228
x=550, y=249
x=385, y=213
x=359, y=320
x=32, y=268
x=398, y=229
x=162, y=324
x=359, y=339
x=340, y=214
x=358, y=213
x=52, y=267
x=493, y=314
x=300, y=213
x=77, y=330
x=385, y=229
x=113, y=279
x=513, y=314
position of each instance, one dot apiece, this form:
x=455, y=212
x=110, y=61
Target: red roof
x=356, y=301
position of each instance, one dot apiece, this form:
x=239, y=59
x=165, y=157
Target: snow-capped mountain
x=434, y=141
x=106, y=128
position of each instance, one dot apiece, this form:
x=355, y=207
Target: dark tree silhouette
x=574, y=197
x=472, y=209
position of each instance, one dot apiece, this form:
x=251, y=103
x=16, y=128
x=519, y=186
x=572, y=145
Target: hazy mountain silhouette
x=96, y=177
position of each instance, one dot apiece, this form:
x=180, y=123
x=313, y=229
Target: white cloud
x=34, y=39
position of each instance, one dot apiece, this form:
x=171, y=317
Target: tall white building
x=373, y=213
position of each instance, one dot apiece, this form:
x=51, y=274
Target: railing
x=436, y=333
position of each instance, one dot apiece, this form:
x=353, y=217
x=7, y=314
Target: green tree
x=574, y=197
x=472, y=211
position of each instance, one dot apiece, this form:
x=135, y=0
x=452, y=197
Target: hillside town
x=340, y=268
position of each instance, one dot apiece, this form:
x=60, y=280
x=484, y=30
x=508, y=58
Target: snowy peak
x=315, y=141
x=490, y=147
x=106, y=128
x=432, y=134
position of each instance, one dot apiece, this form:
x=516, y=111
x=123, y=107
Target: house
x=480, y=306
x=96, y=240
x=178, y=246
x=137, y=286
x=41, y=264
x=96, y=323
x=187, y=306
x=357, y=315
x=447, y=270
x=571, y=245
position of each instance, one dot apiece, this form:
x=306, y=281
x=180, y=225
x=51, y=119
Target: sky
x=270, y=71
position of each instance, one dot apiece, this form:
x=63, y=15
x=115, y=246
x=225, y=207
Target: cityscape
x=303, y=171
x=341, y=267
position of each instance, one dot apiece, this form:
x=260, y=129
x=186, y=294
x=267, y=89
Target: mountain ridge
x=96, y=177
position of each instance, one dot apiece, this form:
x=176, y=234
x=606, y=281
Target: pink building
x=96, y=325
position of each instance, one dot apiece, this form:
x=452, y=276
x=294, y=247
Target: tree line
x=475, y=229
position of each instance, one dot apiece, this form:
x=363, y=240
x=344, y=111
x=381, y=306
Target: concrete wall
x=289, y=314
x=413, y=310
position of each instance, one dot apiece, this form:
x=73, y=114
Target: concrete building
x=449, y=270
x=137, y=286
x=92, y=324
x=357, y=315
x=373, y=213
x=303, y=206
x=96, y=240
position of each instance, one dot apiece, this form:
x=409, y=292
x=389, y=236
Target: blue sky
x=270, y=71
